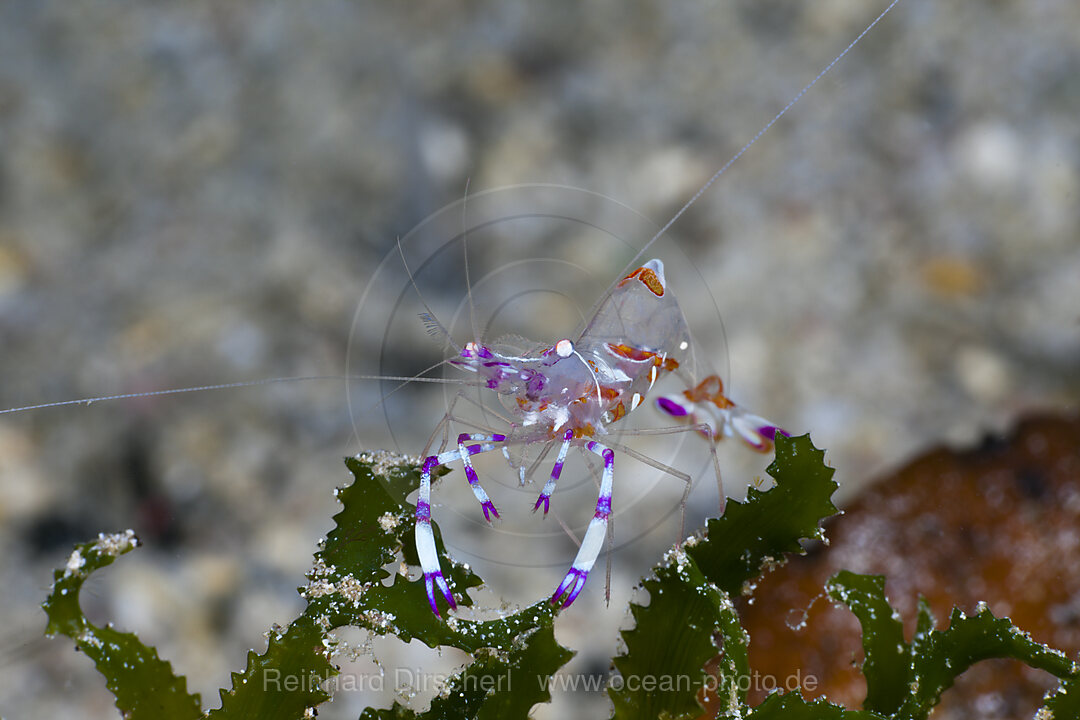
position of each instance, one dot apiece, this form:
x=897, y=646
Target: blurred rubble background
x=198, y=193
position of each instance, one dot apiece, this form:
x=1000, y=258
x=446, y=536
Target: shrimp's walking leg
x=449, y=416
x=706, y=430
x=466, y=453
x=425, y=538
x=425, y=541
x=556, y=471
x=593, y=541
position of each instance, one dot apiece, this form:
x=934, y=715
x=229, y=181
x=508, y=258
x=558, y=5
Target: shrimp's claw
x=755, y=431
x=489, y=507
x=433, y=580
x=544, y=500
x=572, y=583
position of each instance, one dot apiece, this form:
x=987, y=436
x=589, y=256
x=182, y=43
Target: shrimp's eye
x=564, y=348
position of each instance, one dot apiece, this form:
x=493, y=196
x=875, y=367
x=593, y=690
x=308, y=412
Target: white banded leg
x=593, y=541
x=425, y=538
x=556, y=471
x=487, y=444
x=444, y=427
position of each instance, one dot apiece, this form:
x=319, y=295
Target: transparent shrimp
x=573, y=393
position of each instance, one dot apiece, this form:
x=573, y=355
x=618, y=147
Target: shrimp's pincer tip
x=771, y=431
x=542, y=500
x=436, y=579
x=574, y=582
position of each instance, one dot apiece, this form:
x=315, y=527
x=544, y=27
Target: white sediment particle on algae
x=1044, y=648
x=321, y=583
x=389, y=521
x=734, y=707
x=383, y=461
x=352, y=589
x=318, y=583
x=115, y=543
x=89, y=639
x=107, y=544
x=677, y=555
x=75, y=563
x=317, y=588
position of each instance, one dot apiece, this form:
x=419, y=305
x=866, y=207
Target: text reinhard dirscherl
x=415, y=681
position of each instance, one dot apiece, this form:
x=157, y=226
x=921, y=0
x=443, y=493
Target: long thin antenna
x=225, y=386
x=465, y=250
x=791, y=103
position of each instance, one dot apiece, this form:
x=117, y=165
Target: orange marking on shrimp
x=630, y=352
x=618, y=412
x=711, y=389
x=586, y=430
x=648, y=278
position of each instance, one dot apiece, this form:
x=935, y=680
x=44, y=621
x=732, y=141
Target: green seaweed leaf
x=495, y=687
x=361, y=578
x=284, y=681
x=143, y=684
x=907, y=679
x=1064, y=702
x=514, y=657
x=792, y=706
x=888, y=657
x=674, y=636
x=752, y=534
x=939, y=656
x=349, y=586
x=690, y=619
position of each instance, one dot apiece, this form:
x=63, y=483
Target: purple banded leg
x=556, y=471
x=425, y=541
x=593, y=541
x=487, y=445
x=425, y=538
